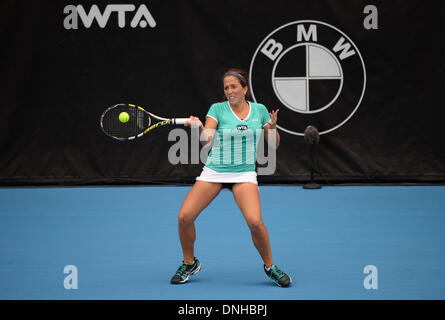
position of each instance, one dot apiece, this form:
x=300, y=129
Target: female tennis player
x=236, y=116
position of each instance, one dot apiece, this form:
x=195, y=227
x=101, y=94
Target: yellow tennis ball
x=124, y=117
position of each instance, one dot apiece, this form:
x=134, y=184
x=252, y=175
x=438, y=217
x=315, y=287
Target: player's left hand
x=273, y=119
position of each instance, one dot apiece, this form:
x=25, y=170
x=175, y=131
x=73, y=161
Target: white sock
x=267, y=269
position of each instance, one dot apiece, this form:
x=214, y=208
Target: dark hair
x=242, y=77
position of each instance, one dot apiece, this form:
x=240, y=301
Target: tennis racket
x=139, y=121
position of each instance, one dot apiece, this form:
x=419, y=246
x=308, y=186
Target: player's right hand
x=194, y=122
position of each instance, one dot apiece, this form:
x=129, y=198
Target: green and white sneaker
x=185, y=271
x=278, y=276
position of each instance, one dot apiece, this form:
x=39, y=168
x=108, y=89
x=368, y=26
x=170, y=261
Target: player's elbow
x=206, y=137
x=207, y=141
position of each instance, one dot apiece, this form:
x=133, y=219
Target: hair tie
x=236, y=74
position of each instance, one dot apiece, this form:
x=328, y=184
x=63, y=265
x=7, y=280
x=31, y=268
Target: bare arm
x=271, y=128
x=205, y=132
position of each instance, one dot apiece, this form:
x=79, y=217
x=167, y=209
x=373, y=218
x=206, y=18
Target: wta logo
x=141, y=18
x=312, y=72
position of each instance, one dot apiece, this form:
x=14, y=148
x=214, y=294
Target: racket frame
x=162, y=121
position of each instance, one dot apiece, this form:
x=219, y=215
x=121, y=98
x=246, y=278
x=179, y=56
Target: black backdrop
x=55, y=83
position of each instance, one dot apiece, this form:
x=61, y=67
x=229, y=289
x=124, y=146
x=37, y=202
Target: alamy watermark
x=371, y=280
x=71, y=280
x=235, y=146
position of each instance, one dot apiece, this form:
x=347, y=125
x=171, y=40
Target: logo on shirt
x=313, y=72
x=242, y=127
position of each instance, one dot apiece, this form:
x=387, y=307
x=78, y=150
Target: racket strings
x=138, y=121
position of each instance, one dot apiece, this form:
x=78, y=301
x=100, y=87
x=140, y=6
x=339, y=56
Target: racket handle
x=180, y=120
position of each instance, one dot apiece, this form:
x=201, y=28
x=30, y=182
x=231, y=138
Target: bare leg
x=248, y=200
x=199, y=197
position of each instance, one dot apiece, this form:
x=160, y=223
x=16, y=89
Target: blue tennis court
x=124, y=244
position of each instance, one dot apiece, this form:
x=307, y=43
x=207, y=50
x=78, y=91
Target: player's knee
x=185, y=218
x=256, y=225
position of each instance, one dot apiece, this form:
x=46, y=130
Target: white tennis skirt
x=210, y=175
